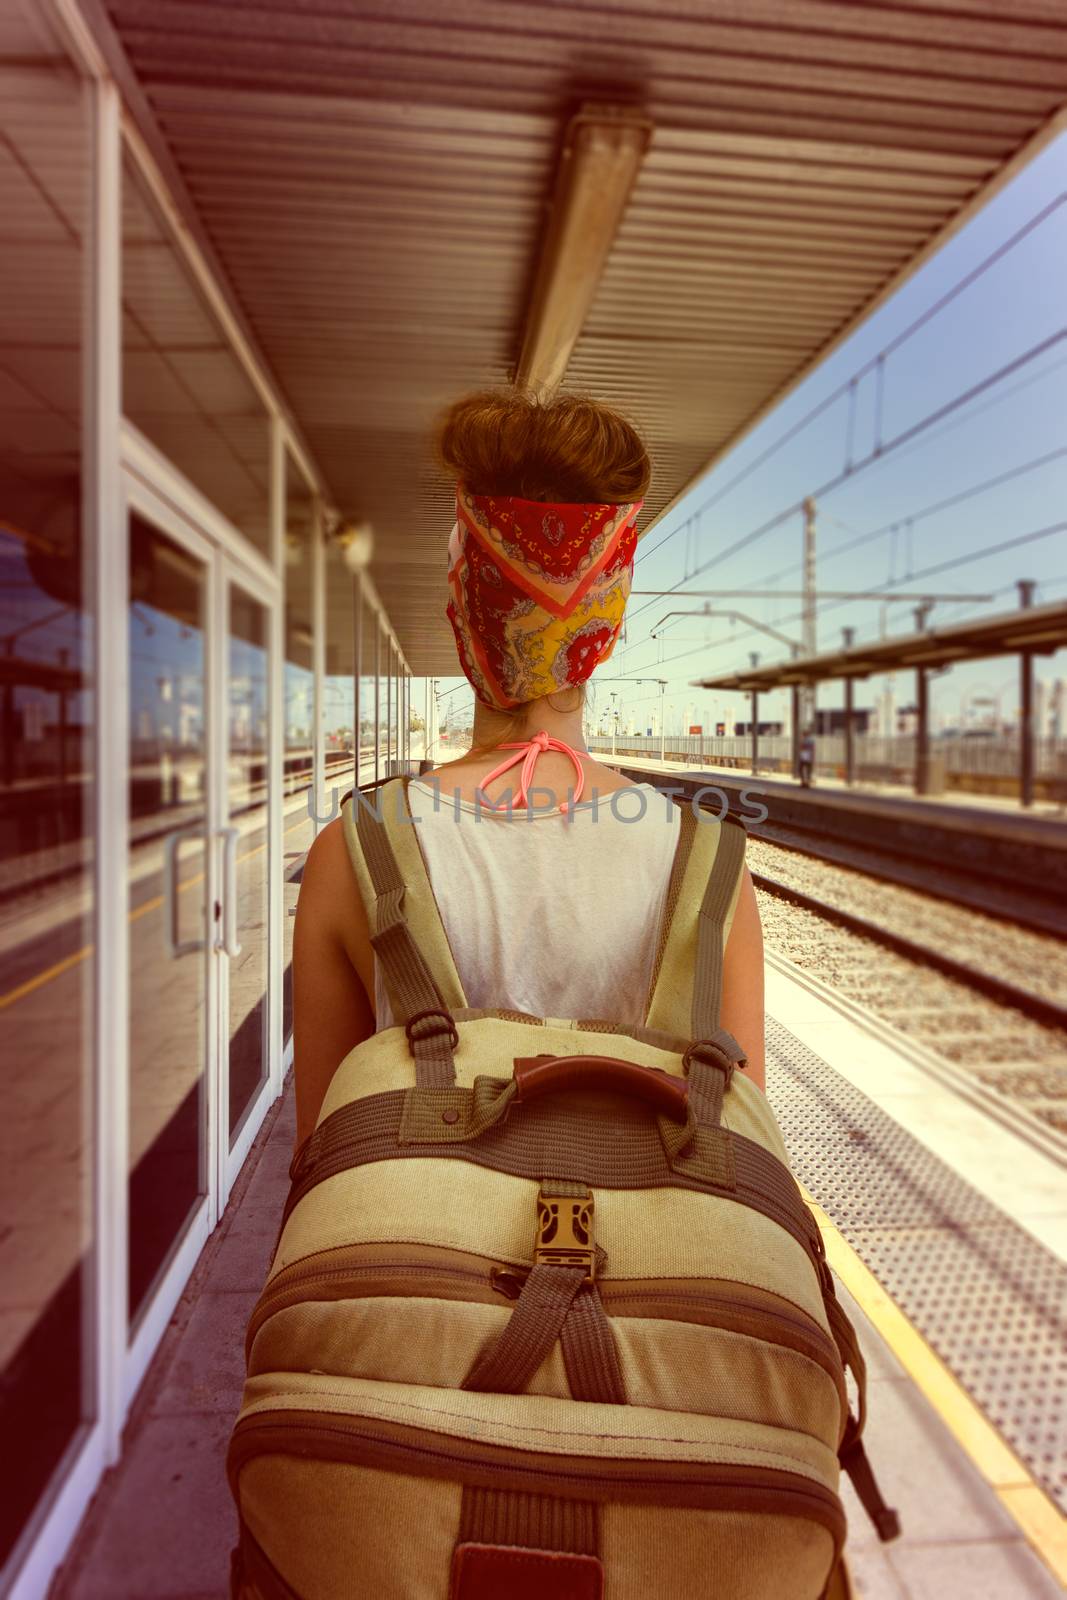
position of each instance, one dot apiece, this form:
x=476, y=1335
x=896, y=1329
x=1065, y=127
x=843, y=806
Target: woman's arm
x=333, y=968
x=742, y=981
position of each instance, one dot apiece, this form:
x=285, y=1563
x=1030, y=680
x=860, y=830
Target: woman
x=560, y=1312
x=530, y=628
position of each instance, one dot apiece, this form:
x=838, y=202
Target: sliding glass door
x=201, y=632
x=169, y=892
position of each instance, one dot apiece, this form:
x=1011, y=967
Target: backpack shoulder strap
x=407, y=933
x=686, y=989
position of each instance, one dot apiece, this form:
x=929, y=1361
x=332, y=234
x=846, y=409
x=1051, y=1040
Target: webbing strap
x=577, y=1143
x=590, y=1354
x=709, y=1063
x=851, y=1453
x=687, y=981
x=851, y=1357
x=509, y=1361
x=719, y=892
x=537, y=1521
x=885, y=1519
x=413, y=993
x=555, y=1303
x=687, y=826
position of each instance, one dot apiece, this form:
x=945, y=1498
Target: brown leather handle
x=536, y=1075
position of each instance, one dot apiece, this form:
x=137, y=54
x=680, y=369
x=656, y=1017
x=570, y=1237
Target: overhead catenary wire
x=953, y=562
x=948, y=427
x=841, y=549
x=916, y=428
x=875, y=364
x=902, y=520
x=930, y=510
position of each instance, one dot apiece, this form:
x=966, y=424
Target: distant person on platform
x=807, y=759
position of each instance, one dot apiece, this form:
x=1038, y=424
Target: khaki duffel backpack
x=548, y=1315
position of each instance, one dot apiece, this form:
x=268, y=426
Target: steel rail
x=954, y=885
x=825, y=836
x=1048, y=1012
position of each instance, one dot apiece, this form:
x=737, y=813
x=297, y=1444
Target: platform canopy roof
x=1041, y=629
x=373, y=185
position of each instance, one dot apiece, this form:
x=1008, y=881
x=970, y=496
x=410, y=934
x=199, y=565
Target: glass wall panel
x=47, y=712
x=381, y=656
x=248, y=805
x=338, y=711
x=298, y=829
x=392, y=708
x=182, y=385
x=399, y=697
x=367, y=731
x=167, y=867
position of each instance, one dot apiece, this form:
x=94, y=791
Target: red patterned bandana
x=537, y=591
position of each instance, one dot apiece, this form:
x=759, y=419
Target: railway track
x=1003, y=865
x=987, y=997
x=974, y=891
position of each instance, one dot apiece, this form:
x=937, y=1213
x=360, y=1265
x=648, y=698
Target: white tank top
x=545, y=913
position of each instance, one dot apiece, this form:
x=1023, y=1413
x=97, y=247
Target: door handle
x=229, y=944
x=171, y=912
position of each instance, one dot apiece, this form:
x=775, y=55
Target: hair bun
x=567, y=447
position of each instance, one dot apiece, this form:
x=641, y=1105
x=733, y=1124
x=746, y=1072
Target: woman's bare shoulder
x=325, y=856
x=329, y=894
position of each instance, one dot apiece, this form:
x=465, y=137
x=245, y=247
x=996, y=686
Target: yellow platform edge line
x=1038, y=1519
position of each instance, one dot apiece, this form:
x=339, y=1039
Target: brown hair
x=564, y=447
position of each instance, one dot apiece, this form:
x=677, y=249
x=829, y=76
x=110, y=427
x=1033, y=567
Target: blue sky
x=1016, y=303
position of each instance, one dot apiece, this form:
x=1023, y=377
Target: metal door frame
x=155, y=490
x=138, y=498
x=264, y=592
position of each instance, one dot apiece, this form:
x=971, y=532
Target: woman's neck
x=490, y=727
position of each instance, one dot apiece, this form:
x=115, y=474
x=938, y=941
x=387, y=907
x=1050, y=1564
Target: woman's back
x=556, y=915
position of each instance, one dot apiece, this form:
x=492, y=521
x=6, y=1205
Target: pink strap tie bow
x=533, y=748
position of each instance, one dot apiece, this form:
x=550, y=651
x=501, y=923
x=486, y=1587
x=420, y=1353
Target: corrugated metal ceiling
x=375, y=184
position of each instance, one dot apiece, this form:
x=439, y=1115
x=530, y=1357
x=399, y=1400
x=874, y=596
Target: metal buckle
x=565, y=1233
x=432, y=1011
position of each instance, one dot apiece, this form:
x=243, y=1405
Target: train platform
x=995, y=805
x=1008, y=863
x=947, y=1234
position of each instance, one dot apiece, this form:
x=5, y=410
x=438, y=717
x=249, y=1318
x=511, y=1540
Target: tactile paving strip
x=980, y=1290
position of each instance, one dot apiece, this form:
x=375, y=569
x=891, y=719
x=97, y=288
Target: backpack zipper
x=450, y=1270
x=457, y=1275
x=397, y=1447
x=388, y=1447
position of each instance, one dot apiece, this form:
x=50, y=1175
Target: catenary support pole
x=808, y=634
x=1026, y=706
x=850, y=748
x=847, y=636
